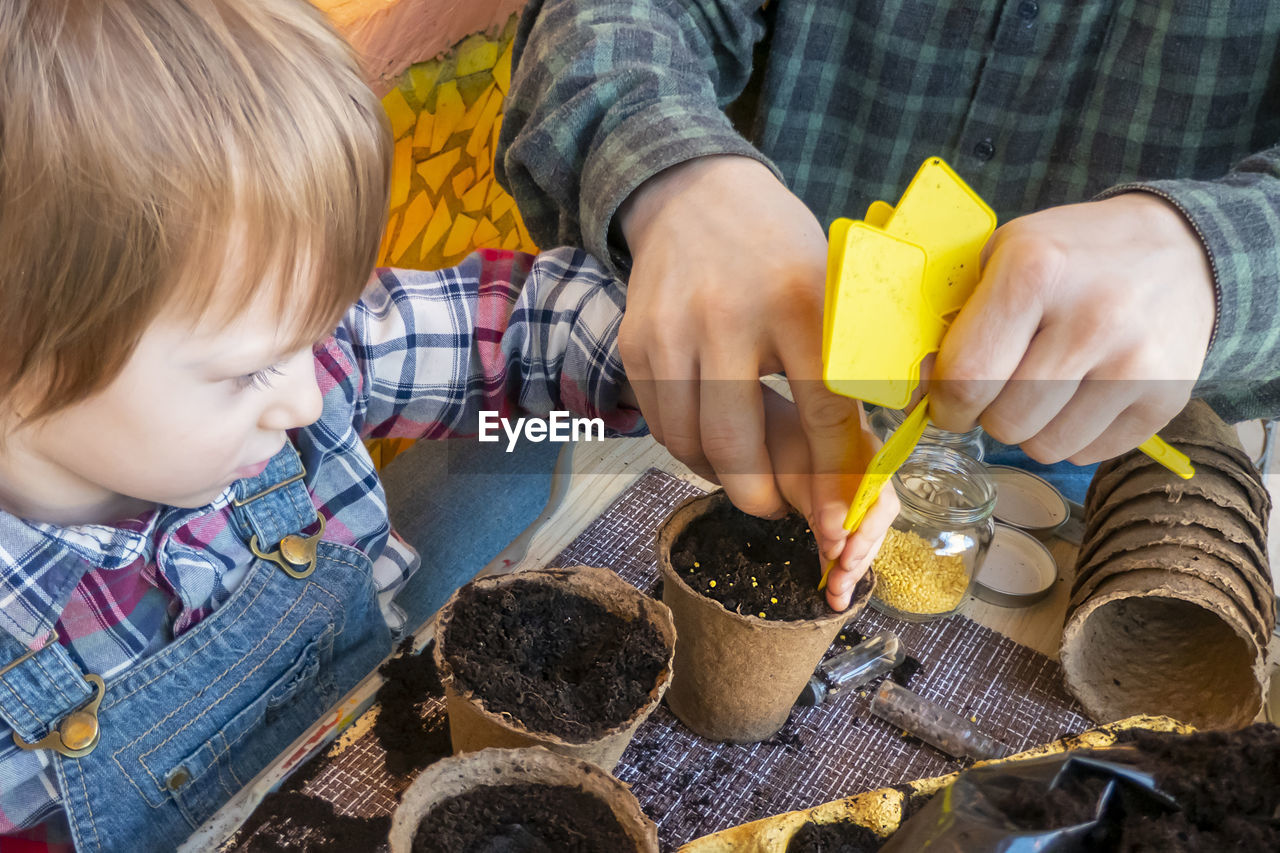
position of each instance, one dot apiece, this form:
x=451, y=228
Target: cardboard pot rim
x=622, y=593
x=447, y=778
x=698, y=506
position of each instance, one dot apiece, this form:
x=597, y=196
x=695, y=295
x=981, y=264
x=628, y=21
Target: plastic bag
x=1063, y=803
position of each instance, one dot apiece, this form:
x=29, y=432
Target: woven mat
x=691, y=787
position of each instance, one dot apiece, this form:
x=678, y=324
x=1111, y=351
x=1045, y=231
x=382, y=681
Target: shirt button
x=984, y=150
x=1028, y=9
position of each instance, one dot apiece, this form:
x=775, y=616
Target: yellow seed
x=754, y=584
x=913, y=578
x=787, y=563
x=761, y=614
x=697, y=565
x=773, y=601
x=712, y=583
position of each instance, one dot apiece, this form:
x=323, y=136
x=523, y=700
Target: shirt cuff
x=1235, y=219
x=662, y=135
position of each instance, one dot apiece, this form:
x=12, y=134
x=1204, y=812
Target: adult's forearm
x=607, y=94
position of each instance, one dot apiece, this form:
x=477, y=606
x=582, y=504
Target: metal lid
x=1017, y=570
x=1027, y=502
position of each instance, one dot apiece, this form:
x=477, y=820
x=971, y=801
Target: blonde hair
x=135, y=137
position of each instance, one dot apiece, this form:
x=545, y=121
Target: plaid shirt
x=418, y=357
x=1034, y=102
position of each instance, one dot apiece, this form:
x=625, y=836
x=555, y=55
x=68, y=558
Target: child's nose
x=298, y=402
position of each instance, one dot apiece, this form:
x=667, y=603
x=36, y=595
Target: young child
x=195, y=548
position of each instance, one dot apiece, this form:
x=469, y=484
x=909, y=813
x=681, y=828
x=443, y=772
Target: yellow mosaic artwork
x=445, y=114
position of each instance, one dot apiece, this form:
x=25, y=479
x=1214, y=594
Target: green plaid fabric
x=1034, y=102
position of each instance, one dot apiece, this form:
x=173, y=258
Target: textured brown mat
x=690, y=786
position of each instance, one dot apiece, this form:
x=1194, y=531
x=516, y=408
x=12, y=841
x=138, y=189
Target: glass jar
x=930, y=556
x=884, y=421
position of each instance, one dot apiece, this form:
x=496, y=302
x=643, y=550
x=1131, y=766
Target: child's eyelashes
x=259, y=379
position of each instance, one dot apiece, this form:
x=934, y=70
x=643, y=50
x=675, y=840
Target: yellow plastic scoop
x=894, y=283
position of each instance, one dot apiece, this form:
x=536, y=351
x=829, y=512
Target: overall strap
x=271, y=511
x=40, y=688
x=274, y=504
x=45, y=697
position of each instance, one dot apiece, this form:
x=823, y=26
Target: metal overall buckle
x=296, y=554
x=78, y=733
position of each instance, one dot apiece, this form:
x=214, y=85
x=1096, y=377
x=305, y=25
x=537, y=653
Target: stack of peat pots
x=1172, y=606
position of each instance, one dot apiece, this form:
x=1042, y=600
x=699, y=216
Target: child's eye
x=258, y=380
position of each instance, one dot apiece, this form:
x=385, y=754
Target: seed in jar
x=913, y=578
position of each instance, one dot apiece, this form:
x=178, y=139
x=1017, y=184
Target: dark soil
x=289, y=820
x=1029, y=806
x=905, y=671
x=838, y=837
x=411, y=742
x=753, y=566
x=521, y=818
x=558, y=663
x=1227, y=783
x=911, y=802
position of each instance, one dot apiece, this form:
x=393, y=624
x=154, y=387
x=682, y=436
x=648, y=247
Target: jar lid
x=1027, y=502
x=1017, y=570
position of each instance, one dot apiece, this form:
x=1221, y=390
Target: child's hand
x=796, y=479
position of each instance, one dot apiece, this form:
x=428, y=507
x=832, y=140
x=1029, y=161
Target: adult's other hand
x=1086, y=332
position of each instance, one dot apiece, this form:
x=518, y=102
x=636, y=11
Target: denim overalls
x=189, y=726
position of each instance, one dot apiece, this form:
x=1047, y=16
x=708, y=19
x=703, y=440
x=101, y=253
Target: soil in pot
x=555, y=661
x=521, y=818
x=753, y=566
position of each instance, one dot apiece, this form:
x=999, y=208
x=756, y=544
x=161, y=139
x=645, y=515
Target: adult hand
x=726, y=286
x=789, y=454
x=1086, y=332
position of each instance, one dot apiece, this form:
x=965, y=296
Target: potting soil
x=753, y=566
x=290, y=820
x=524, y=818
x=556, y=662
x=411, y=742
x=1214, y=792
x=1227, y=784
x=294, y=822
x=843, y=836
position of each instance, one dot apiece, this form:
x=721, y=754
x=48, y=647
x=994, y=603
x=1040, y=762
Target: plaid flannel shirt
x=1034, y=102
x=418, y=357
